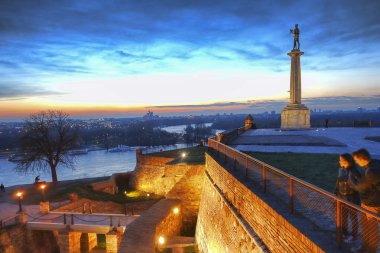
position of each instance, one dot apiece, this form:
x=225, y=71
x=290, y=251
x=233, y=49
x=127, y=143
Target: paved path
x=140, y=236
x=353, y=138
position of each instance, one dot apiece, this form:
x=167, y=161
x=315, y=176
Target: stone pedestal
x=44, y=207
x=112, y=242
x=88, y=242
x=69, y=242
x=295, y=115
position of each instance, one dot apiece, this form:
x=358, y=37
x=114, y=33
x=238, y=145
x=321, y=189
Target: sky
x=121, y=58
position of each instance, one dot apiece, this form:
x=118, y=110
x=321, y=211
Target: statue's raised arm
x=296, y=34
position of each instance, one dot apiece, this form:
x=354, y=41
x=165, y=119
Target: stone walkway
x=353, y=138
x=140, y=235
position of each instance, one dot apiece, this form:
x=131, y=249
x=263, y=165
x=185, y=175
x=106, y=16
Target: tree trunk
x=54, y=174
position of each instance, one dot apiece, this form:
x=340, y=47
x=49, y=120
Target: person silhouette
x=2, y=188
x=37, y=179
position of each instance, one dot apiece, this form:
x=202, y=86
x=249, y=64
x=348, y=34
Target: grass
x=318, y=169
x=373, y=138
x=194, y=155
x=82, y=188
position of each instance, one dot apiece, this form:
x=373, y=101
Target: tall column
x=295, y=115
x=295, y=76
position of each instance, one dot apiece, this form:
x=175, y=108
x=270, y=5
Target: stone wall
x=151, y=174
x=17, y=239
x=220, y=228
x=108, y=186
x=189, y=190
x=174, y=181
x=219, y=231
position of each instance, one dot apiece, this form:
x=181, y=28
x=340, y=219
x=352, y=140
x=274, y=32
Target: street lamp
x=43, y=187
x=176, y=210
x=19, y=195
x=183, y=155
x=161, y=240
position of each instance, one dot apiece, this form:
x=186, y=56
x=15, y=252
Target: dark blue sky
x=136, y=54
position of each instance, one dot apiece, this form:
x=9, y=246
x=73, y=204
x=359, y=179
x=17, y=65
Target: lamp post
x=19, y=196
x=43, y=187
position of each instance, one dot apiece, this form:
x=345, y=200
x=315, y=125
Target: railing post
x=235, y=162
x=72, y=219
x=225, y=154
x=64, y=219
x=291, y=199
x=118, y=222
x=264, y=176
x=111, y=222
x=246, y=167
x=339, y=223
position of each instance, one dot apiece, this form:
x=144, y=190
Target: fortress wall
x=18, y=239
x=107, y=186
x=188, y=190
x=177, y=181
x=150, y=174
x=217, y=226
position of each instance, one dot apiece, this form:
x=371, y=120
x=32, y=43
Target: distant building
x=150, y=115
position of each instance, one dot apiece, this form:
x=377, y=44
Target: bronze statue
x=296, y=34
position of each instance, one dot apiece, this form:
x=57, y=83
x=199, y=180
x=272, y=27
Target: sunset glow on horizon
x=121, y=59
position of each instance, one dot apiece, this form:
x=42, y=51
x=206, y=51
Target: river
x=94, y=164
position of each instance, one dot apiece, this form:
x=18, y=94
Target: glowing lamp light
x=183, y=155
x=19, y=194
x=147, y=194
x=43, y=186
x=176, y=210
x=161, y=240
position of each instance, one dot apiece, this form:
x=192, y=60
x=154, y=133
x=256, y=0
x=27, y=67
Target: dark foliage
x=46, y=139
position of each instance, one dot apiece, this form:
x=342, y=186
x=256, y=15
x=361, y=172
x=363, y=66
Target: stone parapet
x=231, y=214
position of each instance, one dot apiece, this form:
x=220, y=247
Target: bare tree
x=46, y=140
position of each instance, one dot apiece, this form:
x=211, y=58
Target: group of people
x=361, y=189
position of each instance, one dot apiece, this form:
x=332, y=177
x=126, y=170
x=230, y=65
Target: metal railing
x=8, y=222
x=70, y=218
x=154, y=149
x=325, y=210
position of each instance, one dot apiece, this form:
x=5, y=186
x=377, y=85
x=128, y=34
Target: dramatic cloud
x=45, y=45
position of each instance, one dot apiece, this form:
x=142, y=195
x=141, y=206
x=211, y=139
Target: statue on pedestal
x=296, y=34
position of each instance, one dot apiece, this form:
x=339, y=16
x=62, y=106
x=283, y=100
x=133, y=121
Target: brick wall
x=107, y=186
x=18, y=239
x=188, y=190
x=215, y=220
x=219, y=228
x=151, y=174
x=177, y=181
